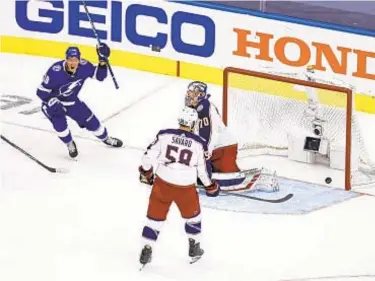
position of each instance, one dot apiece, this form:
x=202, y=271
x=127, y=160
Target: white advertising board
x=197, y=35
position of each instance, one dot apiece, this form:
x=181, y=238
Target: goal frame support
x=349, y=104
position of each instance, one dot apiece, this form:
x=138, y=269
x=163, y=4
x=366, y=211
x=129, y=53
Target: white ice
x=86, y=225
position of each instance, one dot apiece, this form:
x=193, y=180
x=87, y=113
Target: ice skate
x=113, y=142
x=146, y=255
x=72, y=148
x=195, y=251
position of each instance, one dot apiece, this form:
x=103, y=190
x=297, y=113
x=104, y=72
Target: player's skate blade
x=195, y=259
x=146, y=256
x=72, y=148
x=113, y=142
x=195, y=251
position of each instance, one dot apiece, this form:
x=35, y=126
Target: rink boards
x=160, y=65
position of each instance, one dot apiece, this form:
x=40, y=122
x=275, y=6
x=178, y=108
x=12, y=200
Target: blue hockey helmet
x=196, y=92
x=73, y=52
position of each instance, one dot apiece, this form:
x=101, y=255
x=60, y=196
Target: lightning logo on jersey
x=68, y=89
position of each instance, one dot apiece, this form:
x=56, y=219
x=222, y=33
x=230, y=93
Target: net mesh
x=262, y=112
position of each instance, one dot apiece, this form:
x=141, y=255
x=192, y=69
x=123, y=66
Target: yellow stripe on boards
x=160, y=65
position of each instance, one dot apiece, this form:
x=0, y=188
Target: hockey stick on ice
x=278, y=200
x=48, y=168
x=227, y=193
x=98, y=39
x=241, y=195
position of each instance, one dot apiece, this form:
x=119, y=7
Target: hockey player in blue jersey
x=223, y=147
x=59, y=94
x=220, y=142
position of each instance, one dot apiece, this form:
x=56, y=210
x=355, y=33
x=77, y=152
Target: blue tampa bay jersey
x=57, y=82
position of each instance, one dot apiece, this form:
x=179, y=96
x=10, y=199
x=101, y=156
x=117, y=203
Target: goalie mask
x=188, y=118
x=196, y=92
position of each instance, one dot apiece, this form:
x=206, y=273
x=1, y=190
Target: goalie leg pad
x=224, y=159
x=251, y=180
x=265, y=180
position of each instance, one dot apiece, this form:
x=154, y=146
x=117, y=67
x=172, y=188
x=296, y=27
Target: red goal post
x=349, y=104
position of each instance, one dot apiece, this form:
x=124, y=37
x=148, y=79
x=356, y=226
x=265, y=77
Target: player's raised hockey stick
x=48, y=168
x=98, y=39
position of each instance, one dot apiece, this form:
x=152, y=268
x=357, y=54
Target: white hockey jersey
x=212, y=128
x=180, y=157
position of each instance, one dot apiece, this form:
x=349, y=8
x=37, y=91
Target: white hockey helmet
x=188, y=118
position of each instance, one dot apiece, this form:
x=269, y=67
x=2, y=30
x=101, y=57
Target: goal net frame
x=291, y=80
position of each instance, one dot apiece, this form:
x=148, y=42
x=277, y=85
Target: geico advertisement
x=128, y=25
x=210, y=37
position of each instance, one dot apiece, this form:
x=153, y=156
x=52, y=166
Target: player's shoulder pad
x=160, y=133
x=167, y=131
x=198, y=139
x=203, y=107
x=57, y=67
x=84, y=62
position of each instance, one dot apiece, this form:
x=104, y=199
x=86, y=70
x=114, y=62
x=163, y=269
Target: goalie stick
x=227, y=193
x=48, y=168
x=99, y=42
x=241, y=195
x=278, y=200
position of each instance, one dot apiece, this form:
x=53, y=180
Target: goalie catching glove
x=146, y=177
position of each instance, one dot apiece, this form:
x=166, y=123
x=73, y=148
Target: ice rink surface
x=86, y=224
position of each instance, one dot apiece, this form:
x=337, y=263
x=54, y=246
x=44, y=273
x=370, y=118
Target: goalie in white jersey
x=181, y=156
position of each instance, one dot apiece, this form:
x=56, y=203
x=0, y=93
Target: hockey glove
x=103, y=52
x=213, y=190
x=55, y=107
x=146, y=177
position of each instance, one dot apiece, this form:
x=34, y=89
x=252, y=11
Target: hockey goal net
x=263, y=109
